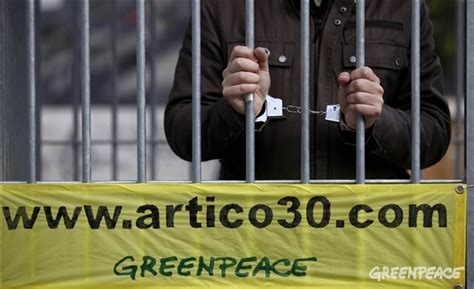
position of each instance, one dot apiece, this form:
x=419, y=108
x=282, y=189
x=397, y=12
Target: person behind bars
x=380, y=92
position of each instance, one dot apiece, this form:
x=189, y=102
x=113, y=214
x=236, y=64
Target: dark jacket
x=388, y=34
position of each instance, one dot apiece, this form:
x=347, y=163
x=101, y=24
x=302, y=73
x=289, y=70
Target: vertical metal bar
x=305, y=58
x=38, y=89
x=460, y=70
x=85, y=92
x=75, y=93
x=249, y=114
x=415, y=92
x=115, y=96
x=470, y=144
x=141, y=100
x=153, y=94
x=31, y=62
x=360, y=52
x=196, y=15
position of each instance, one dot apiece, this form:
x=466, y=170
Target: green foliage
x=443, y=17
x=444, y=26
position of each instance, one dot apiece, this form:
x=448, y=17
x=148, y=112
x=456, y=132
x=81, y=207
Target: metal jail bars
x=84, y=88
x=250, y=137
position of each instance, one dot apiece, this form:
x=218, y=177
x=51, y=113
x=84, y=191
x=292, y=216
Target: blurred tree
x=444, y=28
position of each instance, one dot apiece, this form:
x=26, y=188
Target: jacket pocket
x=388, y=61
x=378, y=23
x=377, y=55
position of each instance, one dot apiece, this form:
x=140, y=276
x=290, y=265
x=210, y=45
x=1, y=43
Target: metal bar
x=196, y=15
x=141, y=91
x=470, y=143
x=249, y=108
x=415, y=92
x=31, y=66
x=360, y=52
x=39, y=89
x=102, y=142
x=323, y=182
x=153, y=96
x=305, y=61
x=75, y=94
x=460, y=85
x=115, y=96
x=85, y=92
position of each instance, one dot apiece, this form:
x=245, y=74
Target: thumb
x=343, y=79
x=262, y=56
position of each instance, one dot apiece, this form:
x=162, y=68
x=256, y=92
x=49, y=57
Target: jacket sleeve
x=220, y=124
x=390, y=137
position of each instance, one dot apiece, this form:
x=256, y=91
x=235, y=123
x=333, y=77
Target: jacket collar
x=297, y=3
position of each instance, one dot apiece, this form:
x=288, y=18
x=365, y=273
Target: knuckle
x=355, y=97
x=358, y=85
x=225, y=92
x=381, y=90
x=225, y=72
x=242, y=89
x=241, y=77
x=239, y=62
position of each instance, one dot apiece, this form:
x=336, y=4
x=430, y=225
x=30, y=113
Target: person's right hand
x=246, y=73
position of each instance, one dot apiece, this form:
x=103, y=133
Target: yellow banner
x=232, y=236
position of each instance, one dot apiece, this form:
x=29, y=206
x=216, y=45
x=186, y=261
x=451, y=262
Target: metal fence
x=466, y=12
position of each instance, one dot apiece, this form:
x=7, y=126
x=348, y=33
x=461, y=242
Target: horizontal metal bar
x=101, y=142
x=322, y=182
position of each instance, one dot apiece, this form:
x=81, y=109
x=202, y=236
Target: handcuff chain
x=297, y=110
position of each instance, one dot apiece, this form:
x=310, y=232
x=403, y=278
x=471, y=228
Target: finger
x=242, y=52
x=364, y=98
x=236, y=91
x=343, y=79
x=262, y=56
x=240, y=78
x=364, y=85
x=242, y=64
x=365, y=73
x=365, y=110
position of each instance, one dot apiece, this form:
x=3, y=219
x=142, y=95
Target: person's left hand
x=360, y=92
